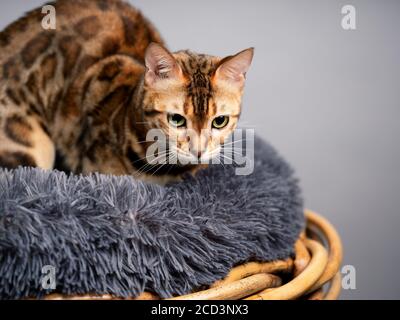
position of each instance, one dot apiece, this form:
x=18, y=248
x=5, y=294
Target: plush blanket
x=108, y=234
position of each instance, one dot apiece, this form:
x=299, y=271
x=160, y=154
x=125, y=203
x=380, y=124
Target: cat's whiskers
x=143, y=170
x=232, y=142
x=148, y=165
x=162, y=165
x=240, y=154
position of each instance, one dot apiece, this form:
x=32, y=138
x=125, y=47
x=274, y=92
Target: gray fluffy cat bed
x=116, y=235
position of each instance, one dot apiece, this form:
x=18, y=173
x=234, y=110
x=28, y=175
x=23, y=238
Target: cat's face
x=194, y=99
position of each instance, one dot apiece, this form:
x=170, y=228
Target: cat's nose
x=197, y=153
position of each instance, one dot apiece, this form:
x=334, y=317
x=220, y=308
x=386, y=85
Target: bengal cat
x=82, y=97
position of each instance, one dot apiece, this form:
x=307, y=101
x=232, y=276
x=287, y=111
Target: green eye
x=220, y=122
x=176, y=120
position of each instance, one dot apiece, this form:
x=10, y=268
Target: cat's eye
x=176, y=120
x=220, y=122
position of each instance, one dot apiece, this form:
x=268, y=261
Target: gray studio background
x=327, y=98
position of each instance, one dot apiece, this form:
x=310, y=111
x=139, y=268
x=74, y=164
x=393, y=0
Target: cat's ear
x=234, y=68
x=160, y=64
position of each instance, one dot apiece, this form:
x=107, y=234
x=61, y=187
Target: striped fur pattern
x=82, y=97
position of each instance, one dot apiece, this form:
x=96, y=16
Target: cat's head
x=195, y=99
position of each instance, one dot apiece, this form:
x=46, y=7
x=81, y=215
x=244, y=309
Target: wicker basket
x=318, y=255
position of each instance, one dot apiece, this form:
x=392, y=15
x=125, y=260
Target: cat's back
x=85, y=31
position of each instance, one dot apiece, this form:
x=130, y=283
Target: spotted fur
x=82, y=97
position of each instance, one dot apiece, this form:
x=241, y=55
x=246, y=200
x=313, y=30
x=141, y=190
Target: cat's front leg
x=24, y=139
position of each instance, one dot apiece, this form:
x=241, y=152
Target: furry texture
x=109, y=234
